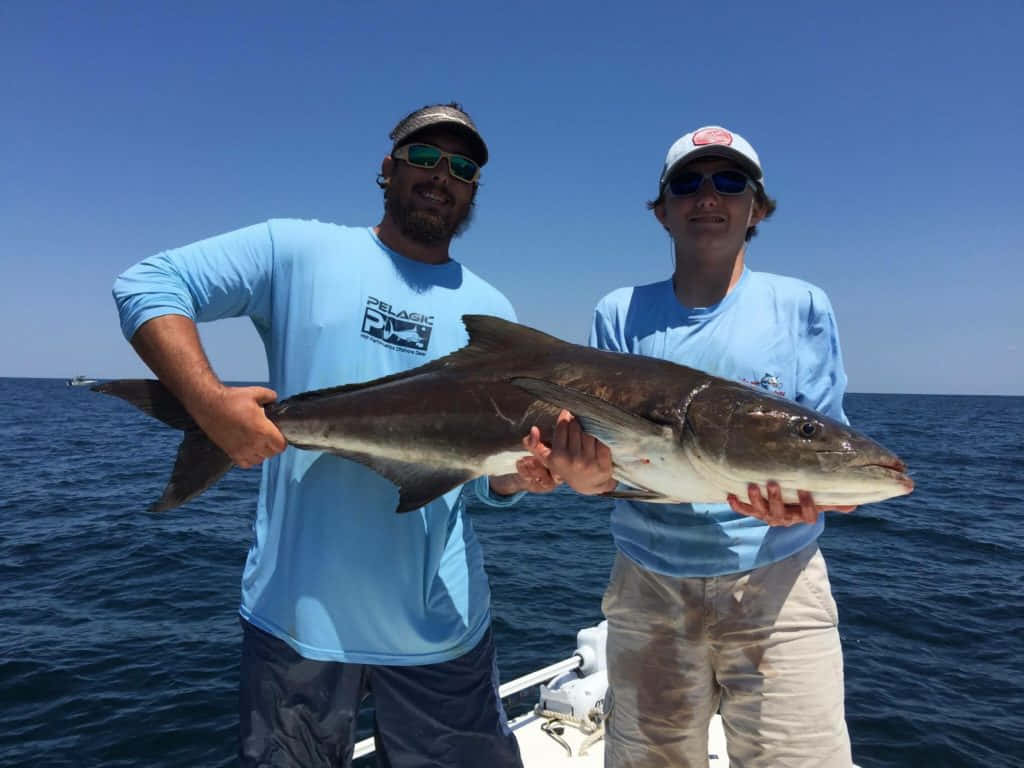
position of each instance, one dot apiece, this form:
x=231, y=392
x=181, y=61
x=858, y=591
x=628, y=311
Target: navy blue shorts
x=296, y=712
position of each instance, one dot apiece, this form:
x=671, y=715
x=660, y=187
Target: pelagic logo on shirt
x=397, y=329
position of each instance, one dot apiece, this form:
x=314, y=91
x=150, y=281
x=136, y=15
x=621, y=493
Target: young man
x=341, y=596
x=719, y=605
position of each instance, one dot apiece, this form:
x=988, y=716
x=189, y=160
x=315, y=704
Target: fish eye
x=808, y=429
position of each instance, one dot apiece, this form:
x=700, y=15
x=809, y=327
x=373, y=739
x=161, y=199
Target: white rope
x=592, y=725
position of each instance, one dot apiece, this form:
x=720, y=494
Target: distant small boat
x=81, y=381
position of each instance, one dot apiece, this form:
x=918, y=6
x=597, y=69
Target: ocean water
x=119, y=634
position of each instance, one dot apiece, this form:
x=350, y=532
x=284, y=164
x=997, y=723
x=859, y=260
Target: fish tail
x=199, y=464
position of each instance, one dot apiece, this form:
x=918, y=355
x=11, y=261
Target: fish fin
x=151, y=397
x=495, y=335
x=200, y=464
x=599, y=418
x=421, y=488
x=489, y=338
x=418, y=485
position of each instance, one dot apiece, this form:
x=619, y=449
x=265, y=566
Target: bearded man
x=340, y=596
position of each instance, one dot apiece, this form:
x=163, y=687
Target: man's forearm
x=232, y=417
x=171, y=347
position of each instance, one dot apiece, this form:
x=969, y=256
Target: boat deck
x=540, y=750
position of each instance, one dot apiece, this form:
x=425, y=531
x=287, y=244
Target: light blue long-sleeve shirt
x=332, y=570
x=772, y=332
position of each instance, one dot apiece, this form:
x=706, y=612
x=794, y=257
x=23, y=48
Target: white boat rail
x=540, y=676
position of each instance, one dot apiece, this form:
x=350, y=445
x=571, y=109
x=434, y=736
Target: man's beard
x=426, y=227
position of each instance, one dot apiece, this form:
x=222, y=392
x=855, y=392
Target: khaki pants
x=763, y=646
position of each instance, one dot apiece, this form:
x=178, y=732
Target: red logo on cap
x=712, y=136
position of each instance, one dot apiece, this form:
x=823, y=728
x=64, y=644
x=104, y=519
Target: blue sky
x=890, y=136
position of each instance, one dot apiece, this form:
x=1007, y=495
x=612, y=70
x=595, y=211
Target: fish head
x=735, y=435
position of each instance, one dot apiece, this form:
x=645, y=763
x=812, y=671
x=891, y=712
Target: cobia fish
x=676, y=434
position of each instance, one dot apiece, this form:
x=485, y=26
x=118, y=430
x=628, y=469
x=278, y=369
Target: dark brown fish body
x=676, y=434
x=473, y=396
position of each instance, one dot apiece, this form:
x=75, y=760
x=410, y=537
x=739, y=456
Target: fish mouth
x=895, y=471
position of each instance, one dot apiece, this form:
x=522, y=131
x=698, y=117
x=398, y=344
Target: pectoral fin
x=617, y=428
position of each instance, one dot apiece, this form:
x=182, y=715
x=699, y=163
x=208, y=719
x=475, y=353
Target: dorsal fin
x=493, y=335
x=489, y=338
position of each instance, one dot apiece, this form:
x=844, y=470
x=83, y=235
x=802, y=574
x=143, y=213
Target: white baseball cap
x=715, y=141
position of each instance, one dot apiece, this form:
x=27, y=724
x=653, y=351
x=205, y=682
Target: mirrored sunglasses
x=428, y=156
x=724, y=182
